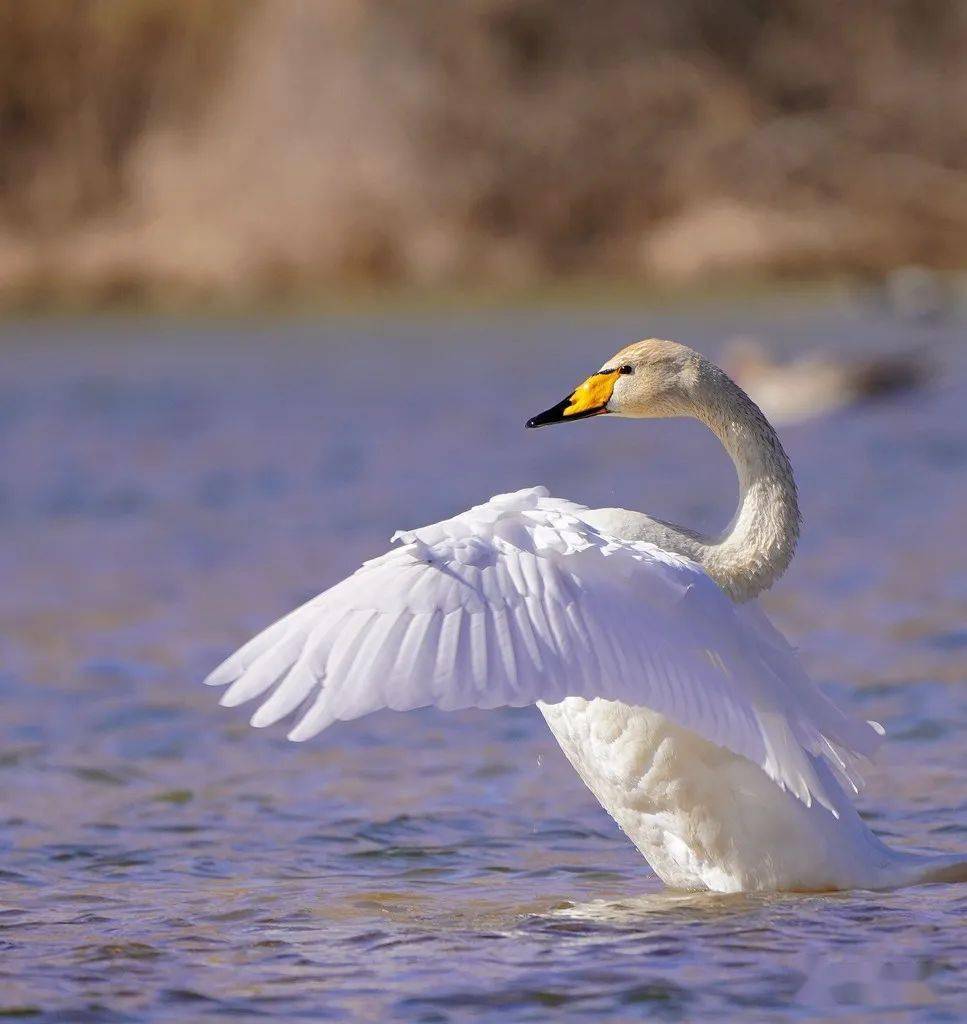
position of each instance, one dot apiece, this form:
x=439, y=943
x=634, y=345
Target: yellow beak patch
x=593, y=394
x=590, y=399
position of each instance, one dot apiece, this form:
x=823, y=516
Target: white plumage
x=680, y=706
x=519, y=600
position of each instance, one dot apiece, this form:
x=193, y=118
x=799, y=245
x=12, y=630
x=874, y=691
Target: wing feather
x=266, y=669
x=306, y=673
x=520, y=600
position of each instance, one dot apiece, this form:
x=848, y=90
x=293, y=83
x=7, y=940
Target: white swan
x=681, y=707
x=816, y=383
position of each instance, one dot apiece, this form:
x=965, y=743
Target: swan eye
x=626, y=368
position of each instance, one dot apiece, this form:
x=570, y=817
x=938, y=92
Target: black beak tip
x=553, y=415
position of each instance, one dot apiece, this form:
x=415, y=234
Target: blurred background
x=187, y=151
x=278, y=278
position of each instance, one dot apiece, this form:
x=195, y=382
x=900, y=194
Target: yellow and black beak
x=590, y=399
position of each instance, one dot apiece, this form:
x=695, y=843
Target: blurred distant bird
x=677, y=702
x=816, y=383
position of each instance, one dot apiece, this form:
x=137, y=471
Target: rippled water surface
x=167, y=489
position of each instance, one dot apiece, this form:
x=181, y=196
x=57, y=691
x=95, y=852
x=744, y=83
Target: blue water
x=168, y=488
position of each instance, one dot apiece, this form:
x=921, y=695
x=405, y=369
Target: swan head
x=647, y=379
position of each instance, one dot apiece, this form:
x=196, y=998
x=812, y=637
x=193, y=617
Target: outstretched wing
x=520, y=600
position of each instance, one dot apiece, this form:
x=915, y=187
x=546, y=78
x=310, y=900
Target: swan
x=816, y=383
x=681, y=707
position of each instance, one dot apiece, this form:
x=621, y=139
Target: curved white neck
x=757, y=546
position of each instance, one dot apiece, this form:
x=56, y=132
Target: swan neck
x=757, y=546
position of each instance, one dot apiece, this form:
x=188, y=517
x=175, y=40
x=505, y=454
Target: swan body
x=680, y=706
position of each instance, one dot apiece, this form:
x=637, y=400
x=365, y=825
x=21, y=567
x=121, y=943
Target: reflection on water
x=165, y=490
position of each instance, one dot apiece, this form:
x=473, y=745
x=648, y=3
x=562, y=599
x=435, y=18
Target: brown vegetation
x=232, y=149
